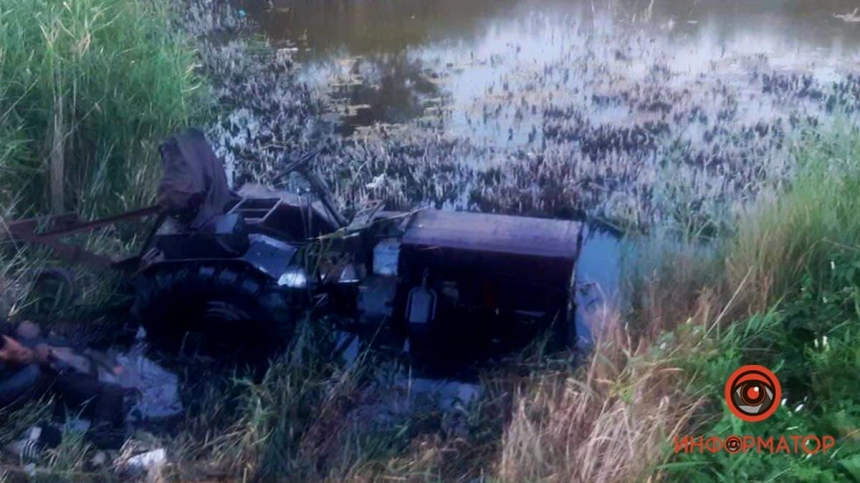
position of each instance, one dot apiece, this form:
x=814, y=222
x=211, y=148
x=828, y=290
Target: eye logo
x=753, y=393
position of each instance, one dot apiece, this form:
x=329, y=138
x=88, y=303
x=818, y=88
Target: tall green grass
x=809, y=340
x=87, y=89
x=784, y=239
x=781, y=290
x=799, y=258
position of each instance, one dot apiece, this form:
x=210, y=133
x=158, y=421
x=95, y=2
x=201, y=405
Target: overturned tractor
x=231, y=273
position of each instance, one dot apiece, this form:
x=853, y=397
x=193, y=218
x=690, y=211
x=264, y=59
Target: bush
x=88, y=89
x=800, y=256
x=810, y=343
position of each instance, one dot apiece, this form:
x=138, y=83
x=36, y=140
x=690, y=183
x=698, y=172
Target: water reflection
x=323, y=27
x=648, y=111
x=383, y=88
x=385, y=59
x=598, y=273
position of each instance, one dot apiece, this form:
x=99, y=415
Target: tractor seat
x=193, y=188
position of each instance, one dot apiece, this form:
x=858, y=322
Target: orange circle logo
x=753, y=393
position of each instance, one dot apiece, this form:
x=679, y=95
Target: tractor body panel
x=534, y=250
x=538, y=237
x=472, y=281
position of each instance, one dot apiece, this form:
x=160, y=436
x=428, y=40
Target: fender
x=269, y=257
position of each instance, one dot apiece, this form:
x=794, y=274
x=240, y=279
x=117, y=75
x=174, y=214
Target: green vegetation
x=785, y=239
x=87, y=89
x=810, y=341
x=802, y=258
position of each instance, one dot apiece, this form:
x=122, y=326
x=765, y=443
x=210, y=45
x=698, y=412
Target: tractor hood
x=531, y=250
x=533, y=237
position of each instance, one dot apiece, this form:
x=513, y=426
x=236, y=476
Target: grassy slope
x=102, y=81
x=799, y=258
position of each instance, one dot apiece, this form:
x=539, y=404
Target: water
x=644, y=111
x=381, y=26
x=598, y=284
x=648, y=111
x=471, y=46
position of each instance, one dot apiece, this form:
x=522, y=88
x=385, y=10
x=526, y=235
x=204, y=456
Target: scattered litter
x=99, y=459
x=76, y=425
x=26, y=449
x=451, y=395
x=391, y=399
x=377, y=182
x=348, y=347
x=149, y=464
x=148, y=460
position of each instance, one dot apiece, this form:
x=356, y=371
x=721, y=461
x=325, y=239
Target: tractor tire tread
x=164, y=289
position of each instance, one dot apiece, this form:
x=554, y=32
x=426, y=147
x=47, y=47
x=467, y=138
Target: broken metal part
x=56, y=226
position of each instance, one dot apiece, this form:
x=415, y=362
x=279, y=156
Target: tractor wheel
x=232, y=315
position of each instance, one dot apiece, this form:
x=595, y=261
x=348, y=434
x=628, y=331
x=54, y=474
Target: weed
x=104, y=81
x=785, y=238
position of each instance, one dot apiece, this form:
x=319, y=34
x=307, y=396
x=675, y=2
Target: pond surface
x=644, y=111
x=324, y=27
x=420, y=51
x=641, y=111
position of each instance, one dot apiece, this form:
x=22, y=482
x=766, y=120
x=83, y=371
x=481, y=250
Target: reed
x=89, y=88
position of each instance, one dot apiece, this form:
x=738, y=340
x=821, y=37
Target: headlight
x=294, y=277
x=348, y=275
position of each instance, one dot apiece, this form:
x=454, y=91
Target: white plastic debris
x=150, y=464
x=99, y=459
x=148, y=460
x=76, y=425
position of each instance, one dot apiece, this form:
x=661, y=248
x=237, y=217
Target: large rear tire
x=232, y=314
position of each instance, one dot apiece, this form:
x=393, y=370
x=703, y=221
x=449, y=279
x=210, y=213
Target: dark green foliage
x=107, y=79
x=810, y=341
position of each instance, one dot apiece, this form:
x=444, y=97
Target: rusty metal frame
x=47, y=230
